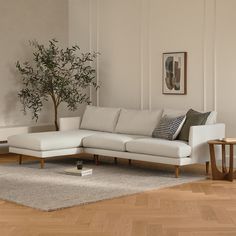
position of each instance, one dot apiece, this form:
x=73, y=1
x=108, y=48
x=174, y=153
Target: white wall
x=131, y=36
x=21, y=21
x=225, y=63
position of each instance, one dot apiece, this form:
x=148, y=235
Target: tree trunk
x=55, y=118
x=55, y=104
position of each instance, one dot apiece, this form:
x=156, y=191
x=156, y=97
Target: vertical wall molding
x=93, y=17
x=209, y=55
x=141, y=55
x=90, y=44
x=144, y=56
x=214, y=58
x=149, y=58
x=98, y=49
x=204, y=55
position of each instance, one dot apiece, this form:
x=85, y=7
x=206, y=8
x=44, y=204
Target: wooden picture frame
x=174, y=77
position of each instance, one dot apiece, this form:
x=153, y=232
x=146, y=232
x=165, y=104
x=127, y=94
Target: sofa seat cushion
x=46, y=141
x=159, y=147
x=108, y=141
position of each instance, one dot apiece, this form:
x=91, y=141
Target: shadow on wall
x=12, y=107
x=11, y=101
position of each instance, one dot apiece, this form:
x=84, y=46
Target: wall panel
x=225, y=63
x=119, y=44
x=132, y=36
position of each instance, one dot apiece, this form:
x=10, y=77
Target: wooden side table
x=224, y=174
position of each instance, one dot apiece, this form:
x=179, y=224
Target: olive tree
x=56, y=74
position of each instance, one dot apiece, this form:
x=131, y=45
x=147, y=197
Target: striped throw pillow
x=169, y=127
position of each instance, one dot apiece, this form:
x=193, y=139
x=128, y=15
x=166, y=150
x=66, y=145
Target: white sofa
x=119, y=133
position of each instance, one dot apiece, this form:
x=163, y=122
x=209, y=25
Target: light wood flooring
x=197, y=209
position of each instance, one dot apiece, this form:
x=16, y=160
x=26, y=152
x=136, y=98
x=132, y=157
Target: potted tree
x=61, y=75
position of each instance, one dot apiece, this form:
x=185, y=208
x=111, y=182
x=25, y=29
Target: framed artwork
x=174, y=79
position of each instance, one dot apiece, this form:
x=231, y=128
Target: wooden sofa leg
x=130, y=162
x=176, y=171
x=42, y=163
x=96, y=159
x=20, y=159
x=207, y=167
x=115, y=160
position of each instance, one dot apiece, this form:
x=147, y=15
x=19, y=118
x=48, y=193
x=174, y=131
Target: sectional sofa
x=119, y=133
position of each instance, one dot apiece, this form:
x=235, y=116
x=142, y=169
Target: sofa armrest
x=198, y=137
x=69, y=123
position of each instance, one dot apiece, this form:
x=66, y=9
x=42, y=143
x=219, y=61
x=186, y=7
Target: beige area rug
x=51, y=189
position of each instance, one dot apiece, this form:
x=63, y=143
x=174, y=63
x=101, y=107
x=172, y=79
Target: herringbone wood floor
x=198, y=209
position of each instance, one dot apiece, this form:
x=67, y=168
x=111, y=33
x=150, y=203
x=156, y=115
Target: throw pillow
x=193, y=118
x=169, y=127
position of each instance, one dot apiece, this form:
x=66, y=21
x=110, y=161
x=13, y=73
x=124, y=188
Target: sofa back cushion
x=139, y=122
x=193, y=118
x=211, y=119
x=169, y=127
x=173, y=112
x=100, y=118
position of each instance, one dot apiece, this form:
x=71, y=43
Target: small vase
x=79, y=165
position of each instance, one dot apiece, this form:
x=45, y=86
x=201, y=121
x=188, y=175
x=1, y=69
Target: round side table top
x=226, y=141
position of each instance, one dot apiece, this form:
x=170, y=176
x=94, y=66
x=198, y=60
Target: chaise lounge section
x=119, y=133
